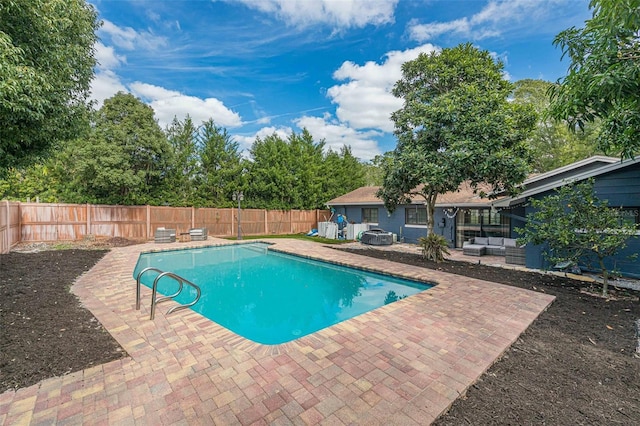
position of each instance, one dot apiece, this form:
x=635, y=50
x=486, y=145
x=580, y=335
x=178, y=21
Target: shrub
x=434, y=247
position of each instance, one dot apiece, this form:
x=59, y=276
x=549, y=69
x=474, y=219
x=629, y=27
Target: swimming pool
x=270, y=297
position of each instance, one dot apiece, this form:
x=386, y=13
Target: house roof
x=466, y=197
x=574, y=172
x=366, y=195
x=586, y=165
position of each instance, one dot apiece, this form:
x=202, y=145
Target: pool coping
x=403, y=363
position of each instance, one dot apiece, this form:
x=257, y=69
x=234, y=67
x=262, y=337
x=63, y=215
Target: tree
x=341, y=173
x=184, y=171
x=456, y=125
x=36, y=182
x=552, y=144
x=46, y=66
x=577, y=226
x=221, y=163
x=124, y=159
x=286, y=174
x=603, y=79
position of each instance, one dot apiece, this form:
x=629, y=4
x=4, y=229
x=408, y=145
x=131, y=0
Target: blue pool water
x=270, y=297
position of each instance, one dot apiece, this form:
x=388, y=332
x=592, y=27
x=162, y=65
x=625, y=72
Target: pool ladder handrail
x=154, y=292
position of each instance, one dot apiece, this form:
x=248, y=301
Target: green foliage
x=341, y=173
x=295, y=174
x=577, y=226
x=183, y=173
x=223, y=169
x=434, y=247
x=124, y=158
x=603, y=79
x=46, y=66
x=552, y=144
x=36, y=182
x=456, y=125
x=373, y=175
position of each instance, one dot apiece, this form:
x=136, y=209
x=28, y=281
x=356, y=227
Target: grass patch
x=62, y=246
x=293, y=236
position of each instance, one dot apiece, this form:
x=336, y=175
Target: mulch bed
x=44, y=330
x=574, y=365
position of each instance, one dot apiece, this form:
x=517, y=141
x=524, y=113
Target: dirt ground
x=44, y=330
x=574, y=365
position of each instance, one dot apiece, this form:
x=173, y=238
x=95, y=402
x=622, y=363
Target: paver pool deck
x=402, y=364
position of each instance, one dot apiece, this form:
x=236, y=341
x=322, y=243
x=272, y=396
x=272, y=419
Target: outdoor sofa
x=493, y=246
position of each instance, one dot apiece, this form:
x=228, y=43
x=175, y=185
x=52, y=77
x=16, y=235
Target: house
x=616, y=181
x=462, y=215
x=459, y=216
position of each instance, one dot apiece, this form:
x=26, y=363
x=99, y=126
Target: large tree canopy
x=603, y=81
x=552, y=144
x=456, y=125
x=46, y=66
x=124, y=159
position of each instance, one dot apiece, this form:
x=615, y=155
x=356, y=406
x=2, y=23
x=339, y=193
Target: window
x=370, y=215
x=415, y=216
x=480, y=222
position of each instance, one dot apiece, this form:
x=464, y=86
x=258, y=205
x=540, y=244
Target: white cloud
x=107, y=57
x=105, y=84
x=422, y=32
x=168, y=104
x=365, y=101
x=336, y=135
x=340, y=14
x=493, y=20
x=129, y=39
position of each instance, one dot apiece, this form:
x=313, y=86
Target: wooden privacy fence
x=36, y=222
x=9, y=225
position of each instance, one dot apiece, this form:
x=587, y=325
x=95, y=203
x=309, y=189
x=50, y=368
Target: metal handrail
x=154, y=292
x=138, y=278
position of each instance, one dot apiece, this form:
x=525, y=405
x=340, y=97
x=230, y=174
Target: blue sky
x=263, y=66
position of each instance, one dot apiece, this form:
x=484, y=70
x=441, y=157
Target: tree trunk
x=430, y=204
x=605, y=278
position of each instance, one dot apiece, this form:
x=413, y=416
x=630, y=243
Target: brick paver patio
x=402, y=364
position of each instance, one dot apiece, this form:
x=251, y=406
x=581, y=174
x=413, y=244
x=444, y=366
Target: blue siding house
x=463, y=215
x=616, y=181
x=459, y=216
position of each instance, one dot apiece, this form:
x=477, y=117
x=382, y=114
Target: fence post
x=232, y=222
x=148, y=222
x=8, y=226
x=266, y=222
x=88, y=219
x=193, y=217
x=290, y=221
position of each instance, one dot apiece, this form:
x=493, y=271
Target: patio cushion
x=510, y=242
x=481, y=241
x=495, y=241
